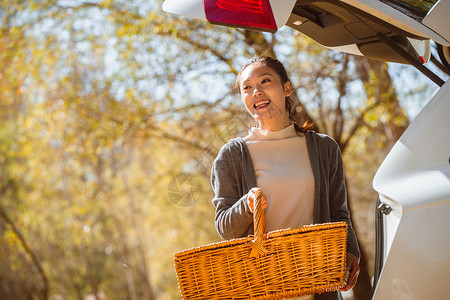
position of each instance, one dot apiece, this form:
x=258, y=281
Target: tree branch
x=342, y=88
x=357, y=124
x=26, y=247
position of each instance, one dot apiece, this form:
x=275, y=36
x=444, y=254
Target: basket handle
x=259, y=225
x=259, y=220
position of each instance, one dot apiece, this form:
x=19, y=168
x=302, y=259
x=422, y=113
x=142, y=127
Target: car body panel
x=438, y=18
x=342, y=27
x=188, y=8
x=421, y=152
x=402, y=21
x=417, y=265
x=282, y=12
x=414, y=182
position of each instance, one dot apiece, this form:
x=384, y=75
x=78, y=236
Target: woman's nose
x=257, y=91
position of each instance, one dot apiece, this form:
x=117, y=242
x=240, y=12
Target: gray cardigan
x=233, y=175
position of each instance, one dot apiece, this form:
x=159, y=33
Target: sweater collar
x=260, y=134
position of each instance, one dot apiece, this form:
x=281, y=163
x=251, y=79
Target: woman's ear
x=287, y=89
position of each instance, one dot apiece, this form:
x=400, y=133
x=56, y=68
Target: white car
x=387, y=30
x=413, y=214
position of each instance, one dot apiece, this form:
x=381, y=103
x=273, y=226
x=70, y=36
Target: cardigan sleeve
x=338, y=197
x=233, y=217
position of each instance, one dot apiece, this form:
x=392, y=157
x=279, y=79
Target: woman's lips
x=261, y=104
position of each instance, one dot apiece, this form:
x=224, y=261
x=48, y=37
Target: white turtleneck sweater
x=284, y=174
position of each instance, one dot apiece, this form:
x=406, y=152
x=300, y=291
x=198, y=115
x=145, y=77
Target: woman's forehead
x=256, y=70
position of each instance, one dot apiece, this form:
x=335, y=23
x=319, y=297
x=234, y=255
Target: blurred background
x=111, y=114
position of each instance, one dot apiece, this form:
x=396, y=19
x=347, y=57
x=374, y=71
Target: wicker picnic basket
x=281, y=264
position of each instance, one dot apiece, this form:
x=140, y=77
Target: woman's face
x=264, y=96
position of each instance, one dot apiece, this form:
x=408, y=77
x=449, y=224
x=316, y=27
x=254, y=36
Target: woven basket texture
x=279, y=265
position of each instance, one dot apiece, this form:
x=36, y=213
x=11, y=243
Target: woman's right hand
x=251, y=197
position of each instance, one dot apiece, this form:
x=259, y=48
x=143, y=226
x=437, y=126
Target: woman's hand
x=251, y=197
x=353, y=268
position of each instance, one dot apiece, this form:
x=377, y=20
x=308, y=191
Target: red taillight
x=246, y=13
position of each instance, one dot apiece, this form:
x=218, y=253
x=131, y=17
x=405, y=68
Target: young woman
x=299, y=172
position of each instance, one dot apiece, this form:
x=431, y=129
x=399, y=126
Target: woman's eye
x=266, y=80
x=245, y=88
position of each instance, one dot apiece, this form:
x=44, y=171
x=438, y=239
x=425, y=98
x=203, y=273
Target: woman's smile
x=260, y=104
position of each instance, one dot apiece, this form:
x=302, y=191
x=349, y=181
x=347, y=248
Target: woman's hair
x=278, y=67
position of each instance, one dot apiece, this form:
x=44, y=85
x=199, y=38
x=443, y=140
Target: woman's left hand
x=353, y=268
